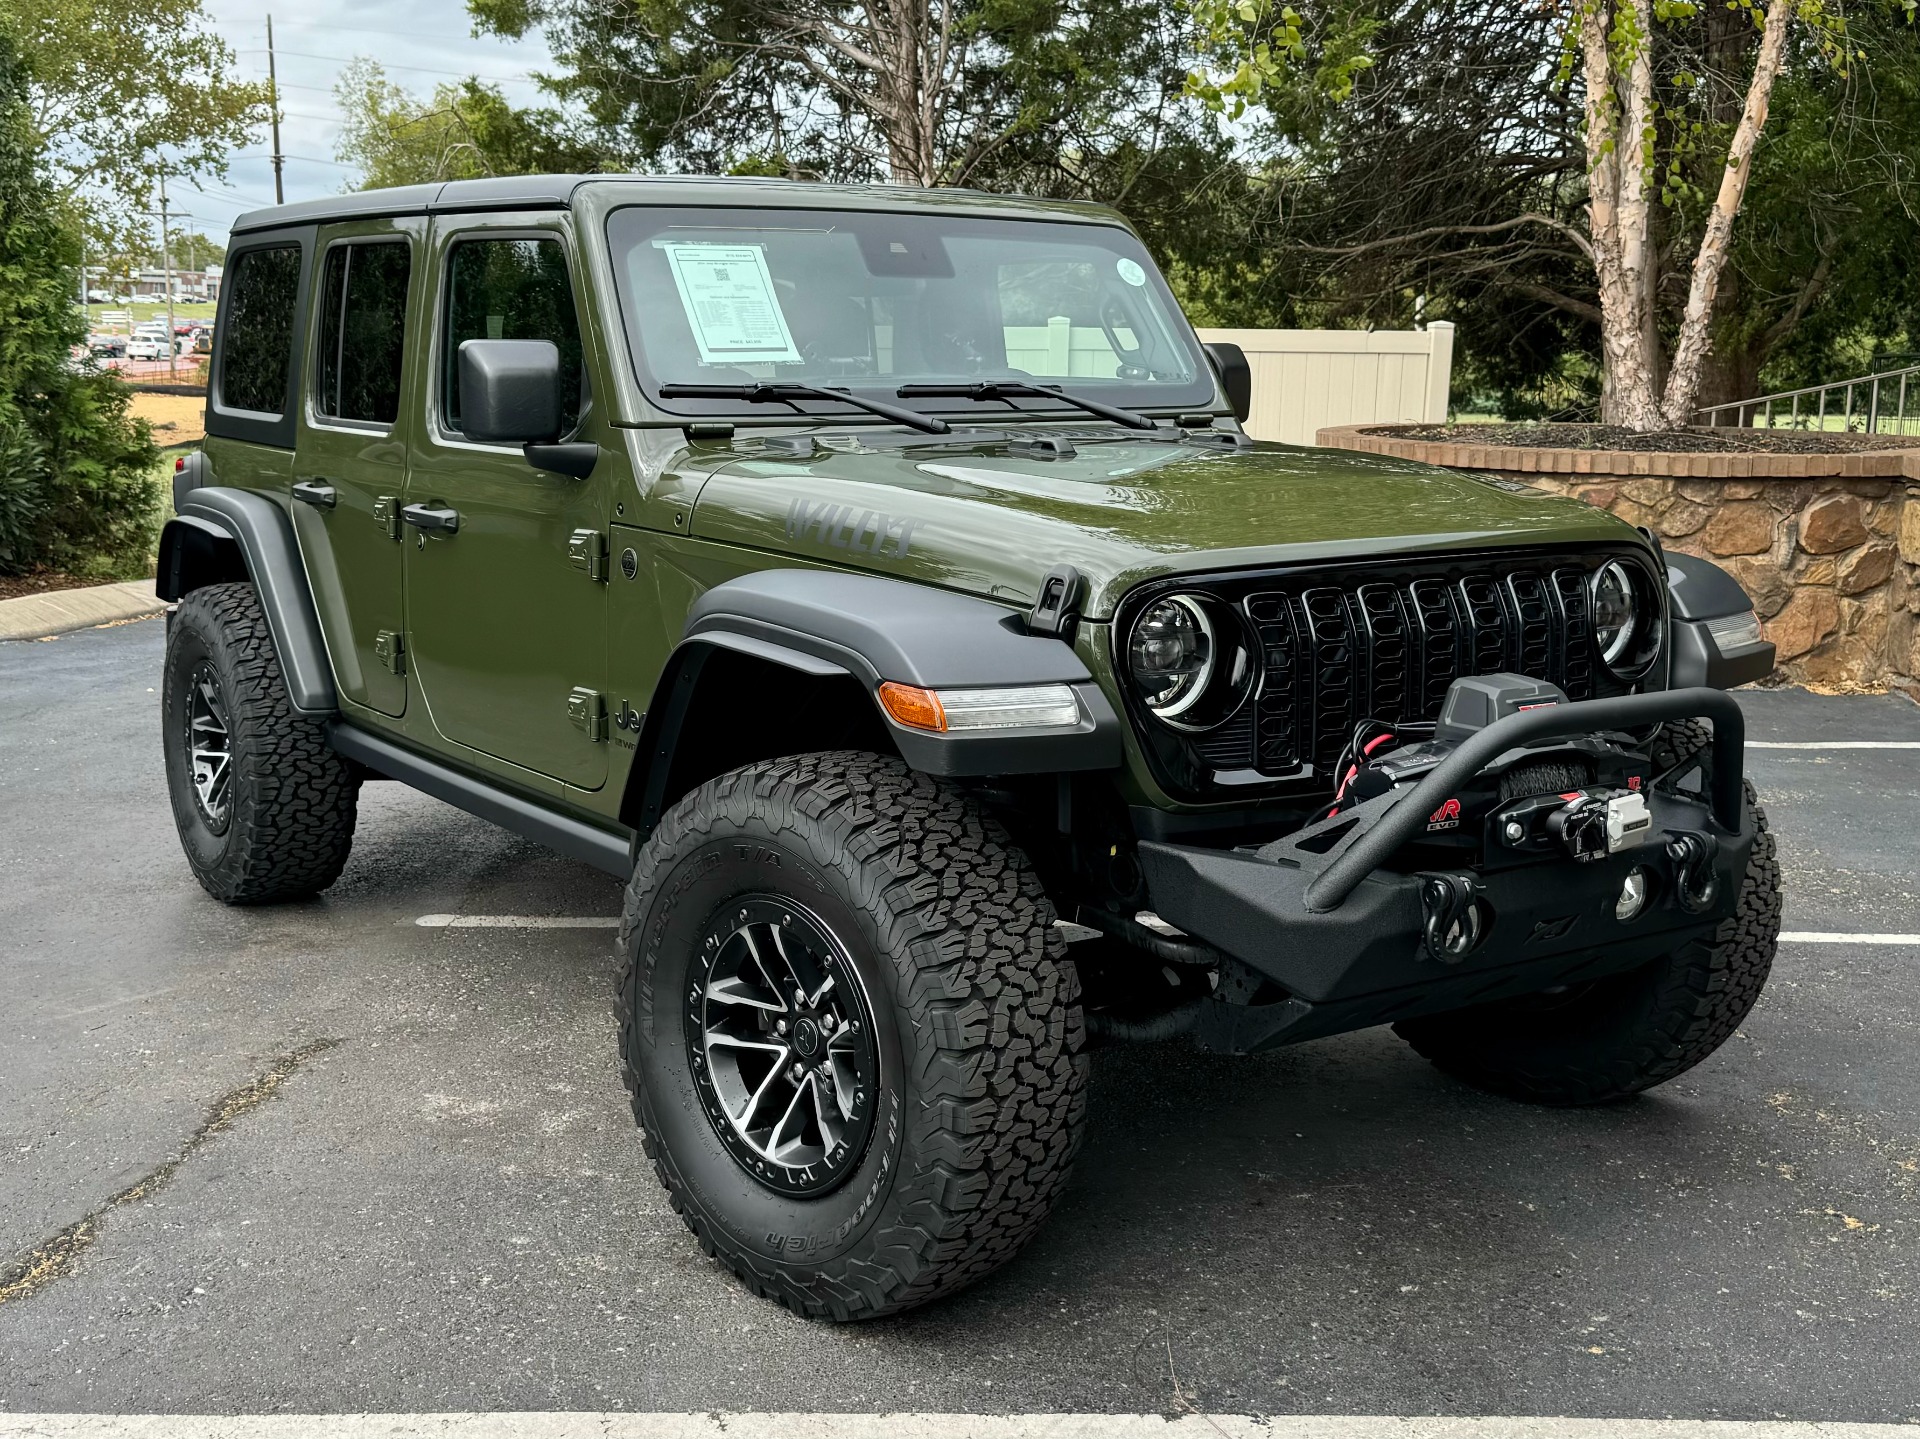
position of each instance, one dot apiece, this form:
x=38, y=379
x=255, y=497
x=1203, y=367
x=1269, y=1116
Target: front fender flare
x=193, y=554
x=822, y=622
x=1700, y=592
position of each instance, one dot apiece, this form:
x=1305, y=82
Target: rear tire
x=938, y=1146
x=264, y=806
x=1617, y=1036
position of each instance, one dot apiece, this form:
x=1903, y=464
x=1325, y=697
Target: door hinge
x=587, y=550
x=390, y=648
x=386, y=514
x=588, y=711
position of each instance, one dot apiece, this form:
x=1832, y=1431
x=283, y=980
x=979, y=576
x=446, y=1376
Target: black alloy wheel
x=782, y=1044
x=209, y=745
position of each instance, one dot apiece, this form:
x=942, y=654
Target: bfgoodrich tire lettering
x=976, y=1018
x=281, y=826
x=1618, y=1036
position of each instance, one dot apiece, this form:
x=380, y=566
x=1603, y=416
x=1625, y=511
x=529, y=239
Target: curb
x=36, y=617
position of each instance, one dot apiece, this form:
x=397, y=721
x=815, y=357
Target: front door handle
x=313, y=492
x=427, y=517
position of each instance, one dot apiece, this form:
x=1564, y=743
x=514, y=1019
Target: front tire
x=1617, y=1036
x=264, y=806
x=848, y=894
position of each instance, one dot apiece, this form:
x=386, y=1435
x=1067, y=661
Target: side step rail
x=606, y=850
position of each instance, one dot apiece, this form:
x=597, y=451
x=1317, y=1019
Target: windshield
x=871, y=302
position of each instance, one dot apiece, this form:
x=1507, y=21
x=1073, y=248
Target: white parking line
x=713, y=1425
x=1834, y=744
x=518, y=921
x=1071, y=931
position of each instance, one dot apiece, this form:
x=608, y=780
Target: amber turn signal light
x=913, y=707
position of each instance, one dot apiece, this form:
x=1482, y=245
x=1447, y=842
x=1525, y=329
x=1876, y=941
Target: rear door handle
x=427, y=517
x=313, y=492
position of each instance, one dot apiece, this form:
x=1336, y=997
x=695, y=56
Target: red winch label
x=1445, y=817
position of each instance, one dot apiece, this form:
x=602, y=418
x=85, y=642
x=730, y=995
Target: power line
x=367, y=29
x=385, y=65
x=230, y=197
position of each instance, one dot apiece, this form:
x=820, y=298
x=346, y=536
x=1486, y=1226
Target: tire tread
x=992, y=1028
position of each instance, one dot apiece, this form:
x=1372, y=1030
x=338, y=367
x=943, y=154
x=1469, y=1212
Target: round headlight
x=1626, y=628
x=1616, y=612
x=1171, y=655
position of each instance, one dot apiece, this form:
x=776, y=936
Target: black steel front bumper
x=1341, y=932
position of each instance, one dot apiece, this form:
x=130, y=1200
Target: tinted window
x=363, y=317
x=511, y=290
x=259, y=340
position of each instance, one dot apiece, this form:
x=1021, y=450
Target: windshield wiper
x=777, y=392
x=1011, y=389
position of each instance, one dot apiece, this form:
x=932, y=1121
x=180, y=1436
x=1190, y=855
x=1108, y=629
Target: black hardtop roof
x=552, y=192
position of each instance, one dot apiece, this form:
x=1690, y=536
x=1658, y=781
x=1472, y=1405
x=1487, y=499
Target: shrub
x=23, y=499
x=77, y=489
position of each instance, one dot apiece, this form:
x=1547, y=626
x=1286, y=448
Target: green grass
x=143, y=311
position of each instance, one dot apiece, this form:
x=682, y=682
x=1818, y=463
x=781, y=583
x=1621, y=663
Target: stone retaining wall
x=1827, y=545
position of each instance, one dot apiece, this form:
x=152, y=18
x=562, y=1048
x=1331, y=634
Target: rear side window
x=258, y=345
x=363, y=319
x=511, y=290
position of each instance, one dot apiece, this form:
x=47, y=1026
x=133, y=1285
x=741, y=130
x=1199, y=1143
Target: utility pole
x=273, y=102
x=166, y=278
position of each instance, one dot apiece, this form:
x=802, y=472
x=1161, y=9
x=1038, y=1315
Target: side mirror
x=1236, y=376
x=510, y=391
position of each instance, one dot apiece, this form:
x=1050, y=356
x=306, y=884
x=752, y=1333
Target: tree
x=1628, y=95
x=1595, y=207
x=929, y=92
x=462, y=131
x=122, y=88
x=76, y=483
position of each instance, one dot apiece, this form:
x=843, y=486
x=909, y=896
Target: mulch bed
x=1616, y=437
x=39, y=582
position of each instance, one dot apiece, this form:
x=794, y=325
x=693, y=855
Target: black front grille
x=1387, y=649
x=1385, y=641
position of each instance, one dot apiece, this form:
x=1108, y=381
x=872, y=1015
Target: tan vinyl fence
x=1305, y=381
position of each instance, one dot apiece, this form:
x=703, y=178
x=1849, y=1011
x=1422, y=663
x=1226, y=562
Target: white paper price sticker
x=728, y=295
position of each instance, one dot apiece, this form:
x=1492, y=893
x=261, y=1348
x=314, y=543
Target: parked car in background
x=107, y=345
x=148, y=347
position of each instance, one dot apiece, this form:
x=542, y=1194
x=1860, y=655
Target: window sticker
x=1131, y=272
x=728, y=295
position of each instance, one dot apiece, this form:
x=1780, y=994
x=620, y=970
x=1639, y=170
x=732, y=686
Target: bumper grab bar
x=1398, y=825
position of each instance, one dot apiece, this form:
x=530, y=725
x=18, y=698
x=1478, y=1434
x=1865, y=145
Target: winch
x=1581, y=796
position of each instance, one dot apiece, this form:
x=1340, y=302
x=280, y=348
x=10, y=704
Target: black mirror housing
x=510, y=391
x=1236, y=376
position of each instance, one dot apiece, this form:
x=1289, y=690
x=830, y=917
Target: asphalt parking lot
x=433, y=1198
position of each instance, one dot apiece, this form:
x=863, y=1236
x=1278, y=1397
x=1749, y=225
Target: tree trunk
x=1617, y=115
x=1696, y=336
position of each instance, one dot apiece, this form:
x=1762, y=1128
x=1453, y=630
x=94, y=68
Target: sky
x=421, y=43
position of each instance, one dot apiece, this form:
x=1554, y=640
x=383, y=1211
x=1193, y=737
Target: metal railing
x=1870, y=405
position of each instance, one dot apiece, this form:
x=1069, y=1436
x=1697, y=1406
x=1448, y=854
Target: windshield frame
x=1151, y=397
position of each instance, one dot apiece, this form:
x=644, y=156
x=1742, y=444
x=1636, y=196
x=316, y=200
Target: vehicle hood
x=973, y=516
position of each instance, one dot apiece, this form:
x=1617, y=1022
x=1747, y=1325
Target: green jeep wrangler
x=882, y=584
